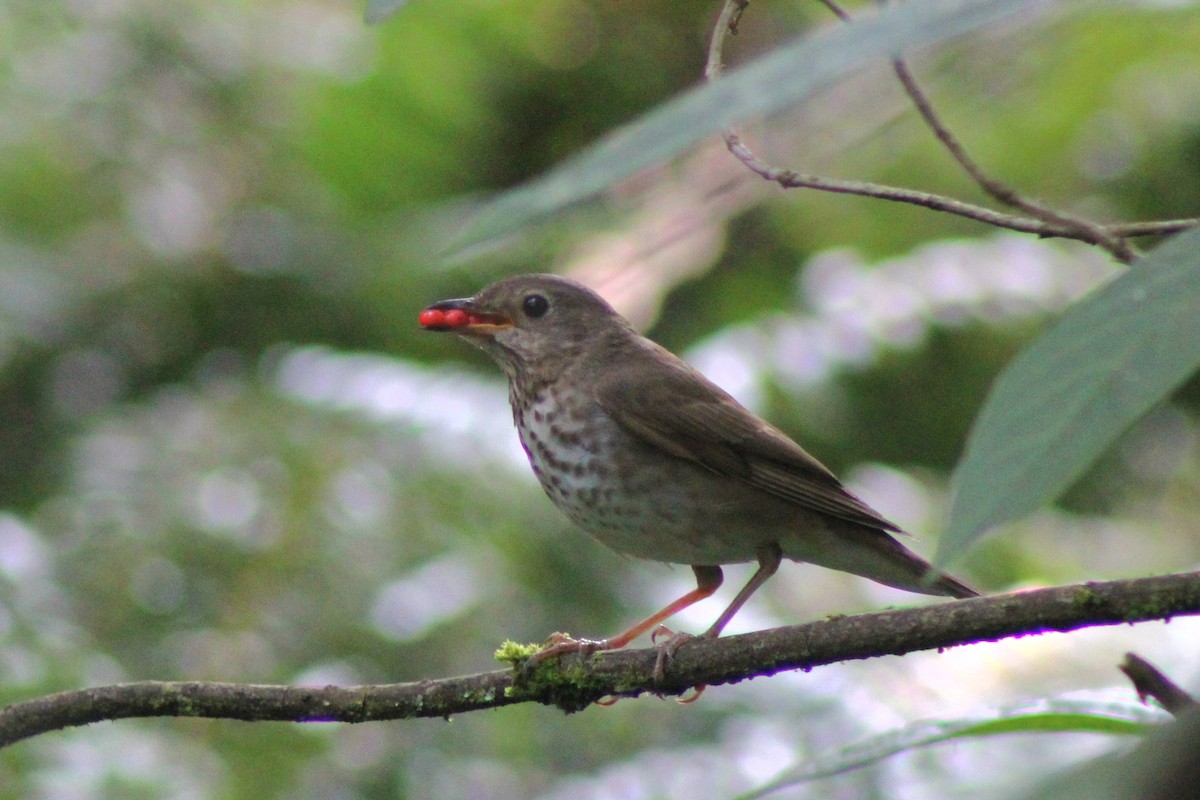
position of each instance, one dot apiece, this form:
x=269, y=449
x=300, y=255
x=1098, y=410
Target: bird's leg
x=769, y=558
x=708, y=580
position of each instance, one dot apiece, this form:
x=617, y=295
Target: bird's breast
x=631, y=496
x=568, y=445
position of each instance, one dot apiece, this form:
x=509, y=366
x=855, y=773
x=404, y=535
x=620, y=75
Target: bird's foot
x=561, y=644
x=666, y=651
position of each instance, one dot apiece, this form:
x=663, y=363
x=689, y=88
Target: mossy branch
x=576, y=683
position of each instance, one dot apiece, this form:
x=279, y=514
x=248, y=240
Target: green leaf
x=379, y=10
x=1062, y=715
x=777, y=81
x=1064, y=400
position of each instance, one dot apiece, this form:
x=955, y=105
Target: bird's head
x=528, y=322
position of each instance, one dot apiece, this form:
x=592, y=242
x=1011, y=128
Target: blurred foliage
x=229, y=453
x=1051, y=717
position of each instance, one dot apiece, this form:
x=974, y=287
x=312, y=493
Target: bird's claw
x=561, y=644
x=666, y=651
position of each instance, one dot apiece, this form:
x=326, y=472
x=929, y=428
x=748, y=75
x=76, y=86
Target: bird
x=654, y=460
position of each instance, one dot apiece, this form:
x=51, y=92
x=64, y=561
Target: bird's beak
x=462, y=316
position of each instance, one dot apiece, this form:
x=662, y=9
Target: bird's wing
x=685, y=414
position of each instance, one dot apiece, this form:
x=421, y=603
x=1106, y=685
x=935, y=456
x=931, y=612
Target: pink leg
x=769, y=559
x=708, y=580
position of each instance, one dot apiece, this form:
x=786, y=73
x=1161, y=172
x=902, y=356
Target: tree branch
x=575, y=683
x=1039, y=219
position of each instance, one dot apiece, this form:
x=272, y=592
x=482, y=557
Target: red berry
x=456, y=318
x=475, y=319
x=432, y=317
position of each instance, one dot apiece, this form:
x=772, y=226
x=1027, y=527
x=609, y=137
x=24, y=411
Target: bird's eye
x=535, y=305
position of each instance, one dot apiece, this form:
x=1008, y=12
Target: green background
x=227, y=451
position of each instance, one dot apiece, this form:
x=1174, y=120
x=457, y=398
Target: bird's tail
x=875, y=554
x=946, y=584
x=918, y=575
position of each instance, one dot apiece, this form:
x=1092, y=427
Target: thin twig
x=1087, y=230
x=1149, y=681
x=727, y=24
x=1039, y=220
x=1162, y=227
x=837, y=10
x=789, y=179
x=630, y=672
x=994, y=187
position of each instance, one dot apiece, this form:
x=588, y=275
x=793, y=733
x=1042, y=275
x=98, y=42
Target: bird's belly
x=643, y=502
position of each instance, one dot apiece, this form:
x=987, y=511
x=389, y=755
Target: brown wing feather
x=688, y=416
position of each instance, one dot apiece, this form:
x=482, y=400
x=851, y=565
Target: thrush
x=647, y=455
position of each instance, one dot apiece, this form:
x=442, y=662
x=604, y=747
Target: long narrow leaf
x=1063, y=401
x=1054, y=716
x=777, y=81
